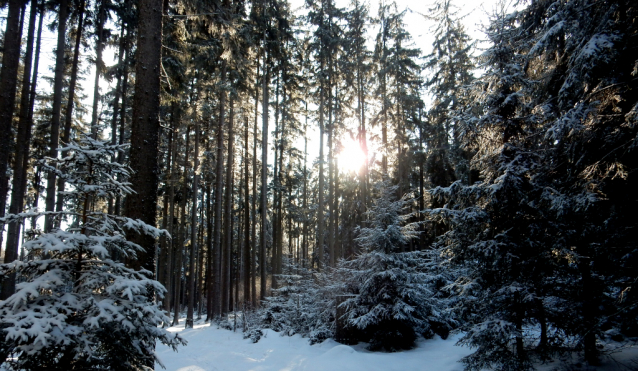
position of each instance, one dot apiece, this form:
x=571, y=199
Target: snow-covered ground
x=210, y=348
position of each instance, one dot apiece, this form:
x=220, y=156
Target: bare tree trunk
x=276, y=230
x=219, y=188
x=57, y=107
x=32, y=96
x=320, y=207
x=22, y=151
x=120, y=156
x=304, y=242
x=9, y=83
x=116, y=109
x=228, y=217
x=331, y=190
x=171, y=213
x=181, y=235
x=253, y=211
x=68, y=119
x=246, y=251
x=99, y=30
x=191, y=271
x=264, y=183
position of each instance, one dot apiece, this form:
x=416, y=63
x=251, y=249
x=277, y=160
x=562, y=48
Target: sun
x=351, y=156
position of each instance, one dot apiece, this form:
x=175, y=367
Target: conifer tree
x=395, y=297
x=78, y=306
x=450, y=68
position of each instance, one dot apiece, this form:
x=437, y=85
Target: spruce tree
x=395, y=297
x=78, y=305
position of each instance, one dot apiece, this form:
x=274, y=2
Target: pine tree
x=450, y=69
x=78, y=305
x=395, y=290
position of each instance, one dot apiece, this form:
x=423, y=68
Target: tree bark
x=228, y=217
x=9, y=83
x=191, y=271
x=181, y=237
x=253, y=211
x=57, y=107
x=246, y=251
x=68, y=122
x=99, y=30
x=219, y=188
x=145, y=128
x=264, y=184
x=22, y=151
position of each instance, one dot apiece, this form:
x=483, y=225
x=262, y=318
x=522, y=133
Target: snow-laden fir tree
x=545, y=239
x=304, y=303
x=77, y=306
x=396, y=291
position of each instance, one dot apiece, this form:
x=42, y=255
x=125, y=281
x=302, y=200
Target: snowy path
x=211, y=349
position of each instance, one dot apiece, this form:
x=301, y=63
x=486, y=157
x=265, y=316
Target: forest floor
x=211, y=348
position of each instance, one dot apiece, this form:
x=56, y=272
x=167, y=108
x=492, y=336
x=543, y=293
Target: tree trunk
x=304, y=241
x=22, y=151
x=171, y=212
x=253, y=210
x=99, y=30
x=191, y=271
x=319, y=246
x=276, y=230
x=116, y=109
x=219, y=188
x=145, y=129
x=57, y=107
x=68, y=122
x=246, y=251
x=331, y=226
x=264, y=184
x=181, y=236
x=9, y=83
x=228, y=217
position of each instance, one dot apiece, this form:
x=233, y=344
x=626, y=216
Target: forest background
x=488, y=187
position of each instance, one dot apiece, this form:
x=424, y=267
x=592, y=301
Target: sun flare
x=351, y=156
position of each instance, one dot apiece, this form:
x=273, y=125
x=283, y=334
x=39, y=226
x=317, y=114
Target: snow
x=215, y=349
x=210, y=348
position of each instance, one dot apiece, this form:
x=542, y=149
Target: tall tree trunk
x=320, y=207
x=32, y=97
x=181, y=236
x=145, y=127
x=228, y=217
x=264, y=184
x=99, y=30
x=171, y=212
x=120, y=156
x=304, y=242
x=22, y=151
x=219, y=188
x=57, y=107
x=9, y=83
x=246, y=251
x=253, y=210
x=276, y=230
x=68, y=121
x=116, y=109
x=331, y=191
x=191, y=271
x=209, y=251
